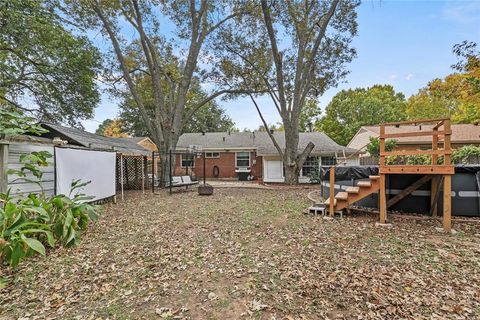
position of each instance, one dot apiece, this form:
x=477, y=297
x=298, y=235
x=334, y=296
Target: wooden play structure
x=439, y=170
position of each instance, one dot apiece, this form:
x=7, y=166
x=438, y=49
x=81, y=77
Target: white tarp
x=86, y=165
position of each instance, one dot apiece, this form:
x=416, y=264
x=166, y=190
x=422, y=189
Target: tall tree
x=115, y=129
x=457, y=95
x=295, y=50
x=351, y=109
x=44, y=68
x=209, y=118
x=101, y=128
x=140, y=48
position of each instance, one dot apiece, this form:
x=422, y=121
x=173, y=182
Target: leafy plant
x=373, y=147
x=30, y=164
x=21, y=234
x=465, y=154
x=14, y=123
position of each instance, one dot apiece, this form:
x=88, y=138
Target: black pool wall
x=465, y=189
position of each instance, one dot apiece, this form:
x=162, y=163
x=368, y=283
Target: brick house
x=236, y=155
x=462, y=134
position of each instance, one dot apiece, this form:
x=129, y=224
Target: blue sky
x=402, y=43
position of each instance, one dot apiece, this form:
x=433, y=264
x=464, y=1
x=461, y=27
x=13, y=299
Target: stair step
x=353, y=190
x=365, y=184
x=341, y=196
x=374, y=177
x=327, y=202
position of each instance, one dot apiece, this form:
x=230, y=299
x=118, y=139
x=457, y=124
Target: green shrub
x=373, y=147
x=464, y=154
x=28, y=224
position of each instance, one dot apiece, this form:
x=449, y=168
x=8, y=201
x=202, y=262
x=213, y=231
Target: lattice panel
x=134, y=167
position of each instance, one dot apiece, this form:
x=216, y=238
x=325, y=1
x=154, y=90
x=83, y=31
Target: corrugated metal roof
x=94, y=141
x=260, y=141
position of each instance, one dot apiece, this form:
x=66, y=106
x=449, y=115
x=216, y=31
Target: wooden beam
x=434, y=147
x=417, y=169
x=447, y=203
x=415, y=152
x=331, y=209
x=414, y=122
x=383, y=200
x=382, y=146
x=415, y=134
x=434, y=195
x=405, y=192
x=439, y=124
x=447, y=144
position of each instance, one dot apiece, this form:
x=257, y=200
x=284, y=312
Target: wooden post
x=382, y=206
x=121, y=173
x=433, y=193
x=447, y=203
x=3, y=167
x=143, y=175
x=447, y=183
x=331, y=209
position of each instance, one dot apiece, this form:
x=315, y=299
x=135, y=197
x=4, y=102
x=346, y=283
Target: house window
x=243, y=159
x=188, y=160
x=310, y=166
x=329, y=161
x=212, y=154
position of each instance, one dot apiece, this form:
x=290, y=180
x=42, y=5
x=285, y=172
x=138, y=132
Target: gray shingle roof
x=260, y=141
x=90, y=140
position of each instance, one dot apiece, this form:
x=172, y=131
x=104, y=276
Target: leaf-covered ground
x=244, y=254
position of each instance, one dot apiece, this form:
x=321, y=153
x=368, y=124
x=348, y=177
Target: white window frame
x=249, y=159
x=181, y=161
x=212, y=155
x=329, y=164
x=319, y=159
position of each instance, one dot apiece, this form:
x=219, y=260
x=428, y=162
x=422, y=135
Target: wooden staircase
x=351, y=195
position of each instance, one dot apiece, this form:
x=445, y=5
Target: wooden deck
x=438, y=173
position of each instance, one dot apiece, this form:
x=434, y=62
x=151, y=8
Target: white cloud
x=393, y=76
x=409, y=77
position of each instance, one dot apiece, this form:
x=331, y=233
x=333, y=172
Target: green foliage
x=309, y=115
x=464, y=154
x=350, y=109
x=209, y=118
x=28, y=224
x=457, y=95
x=104, y=125
x=30, y=164
x=21, y=232
x=373, y=147
x=14, y=123
x=419, y=159
x=316, y=176
x=45, y=65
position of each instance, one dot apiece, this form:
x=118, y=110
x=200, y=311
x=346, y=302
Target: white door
x=274, y=171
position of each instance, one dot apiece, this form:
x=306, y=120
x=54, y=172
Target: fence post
x=3, y=167
x=332, y=191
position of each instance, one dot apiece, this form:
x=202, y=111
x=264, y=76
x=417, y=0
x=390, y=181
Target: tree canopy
x=457, y=95
x=208, y=118
x=293, y=51
x=353, y=108
x=44, y=68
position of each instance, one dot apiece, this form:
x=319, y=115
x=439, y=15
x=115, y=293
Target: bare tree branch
x=265, y=124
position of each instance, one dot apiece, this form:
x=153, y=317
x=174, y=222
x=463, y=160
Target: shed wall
x=20, y=186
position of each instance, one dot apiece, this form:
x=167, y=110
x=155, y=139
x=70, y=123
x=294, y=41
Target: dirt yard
x=249, y=254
